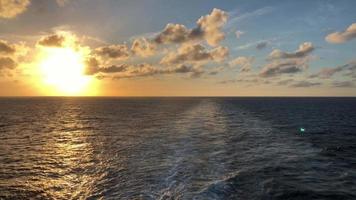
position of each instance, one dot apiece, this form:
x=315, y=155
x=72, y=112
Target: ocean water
x=177, y=148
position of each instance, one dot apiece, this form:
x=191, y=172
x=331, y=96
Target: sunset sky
x=177, y=48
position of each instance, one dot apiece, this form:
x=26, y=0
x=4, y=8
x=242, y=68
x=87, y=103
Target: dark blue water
x=177, y=148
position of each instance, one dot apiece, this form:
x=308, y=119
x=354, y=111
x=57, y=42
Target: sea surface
x=177, y=148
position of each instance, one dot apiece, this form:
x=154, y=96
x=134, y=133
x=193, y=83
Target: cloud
x=11, y=54
x=113, y=69
x=12, y=8
x=62, y=2
x=296, y=84
x=278, y=67
x=93, y=67
x=113, y=52
x=174, y=33
x=194, y=72
x=284, y=82
x=195, y=53
x=248, y=81
x=254, y=44
x=212, y=24
x=145, y=70
x=7, y=63
x=261, y=45
x=244, y=63
x=343, y=84
x=209, y=27
x=238, y=34
x=303, y=50
x=287, y=63
x=6, y=48
x=141, y=70
x=219, y=53
x=305, y=84
x=142, y=47
x=351, y=69
x=344, y=36
x=329, y=72
x=55, y=40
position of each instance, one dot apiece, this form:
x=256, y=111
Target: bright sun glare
x=63, y=68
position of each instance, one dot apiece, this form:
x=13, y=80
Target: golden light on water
x=62, y=70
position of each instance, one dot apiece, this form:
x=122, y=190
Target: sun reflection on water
x=65, y=162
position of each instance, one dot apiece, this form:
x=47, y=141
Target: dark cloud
x=344, y=84
x=215, y=72
x=182, y=69
x=284, y=82
x=7, y=63
x=173, y=33
x=113, y=69
x=305, y=84
x=139, y=70
x=209, y=27
x=344, y=36
x=195, y=53
x=303, y=50
x=287, y=63
x=329, y=72
x=143, y=47
x=93, y=67
x=282, y=67
x=261, y=45
x=6, y=48
x=12, y=8
x=250, y=81
x=113, y=52
x=54, y=40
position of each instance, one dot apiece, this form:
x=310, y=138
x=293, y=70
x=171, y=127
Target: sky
x=177, y=48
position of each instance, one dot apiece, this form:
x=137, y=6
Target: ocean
x=177, y=148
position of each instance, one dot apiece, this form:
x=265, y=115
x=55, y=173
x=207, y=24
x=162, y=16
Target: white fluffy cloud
x=195, y=53
x=212, y=24
x=209, y=27
x=303, y=50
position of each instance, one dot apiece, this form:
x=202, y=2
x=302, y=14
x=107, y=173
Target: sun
x=63, y=70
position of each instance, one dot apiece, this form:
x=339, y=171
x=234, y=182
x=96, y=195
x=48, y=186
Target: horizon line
x=180, y=96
